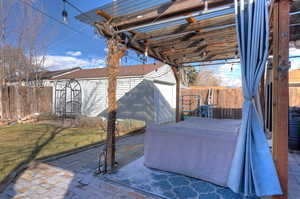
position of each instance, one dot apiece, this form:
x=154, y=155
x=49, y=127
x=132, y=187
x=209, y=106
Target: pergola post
x=280, y=91
x=113, y=60
x=176, y=72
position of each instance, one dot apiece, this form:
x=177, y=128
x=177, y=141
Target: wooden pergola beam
x=151, y=52
x=203, y=54
x=188, y=47
x=191, y=20
x=104, y=15
x=200, y=26
x=280, y=93
x=209, y=56
x=205, y=47
x=107, y=31
x=210, y=35
x=165, y=11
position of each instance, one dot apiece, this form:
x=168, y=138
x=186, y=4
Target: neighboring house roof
x=136, y=70
x=294, y=76
x=51, y=74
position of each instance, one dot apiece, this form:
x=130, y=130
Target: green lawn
x=24, y=143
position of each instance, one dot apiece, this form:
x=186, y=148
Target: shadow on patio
x=73, y=176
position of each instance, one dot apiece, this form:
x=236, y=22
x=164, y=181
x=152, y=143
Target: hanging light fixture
x=231, y=67
x=65, y=13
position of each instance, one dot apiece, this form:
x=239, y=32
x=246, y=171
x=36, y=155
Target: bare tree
x=24, y=41
x=206, y=78
x=189, y=75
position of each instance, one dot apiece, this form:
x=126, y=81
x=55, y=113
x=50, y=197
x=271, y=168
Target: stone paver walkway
x=294, y=176
x=72, y=177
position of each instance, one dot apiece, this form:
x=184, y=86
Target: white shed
x=144, y=92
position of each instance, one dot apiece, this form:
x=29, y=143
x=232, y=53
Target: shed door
x=164, y=100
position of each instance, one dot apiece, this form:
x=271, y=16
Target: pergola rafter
x=213, y=35
x=200, y=26
x=165, y=11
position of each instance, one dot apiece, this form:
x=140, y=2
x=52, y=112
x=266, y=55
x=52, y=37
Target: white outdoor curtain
x=252, y=171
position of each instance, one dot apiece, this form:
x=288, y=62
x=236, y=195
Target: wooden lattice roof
x=176, y=31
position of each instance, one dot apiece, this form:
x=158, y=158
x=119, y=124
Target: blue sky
x=68, y=48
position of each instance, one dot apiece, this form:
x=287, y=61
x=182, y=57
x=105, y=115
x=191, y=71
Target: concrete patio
x=72, y=177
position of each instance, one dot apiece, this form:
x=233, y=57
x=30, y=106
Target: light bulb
x=65, y=16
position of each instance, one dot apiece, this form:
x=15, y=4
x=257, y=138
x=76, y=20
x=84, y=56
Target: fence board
x=228, y=101
x=20, y=101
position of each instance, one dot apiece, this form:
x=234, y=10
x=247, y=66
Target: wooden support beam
x=199, y=48
x=113, y=60
x=176, y=72
x=280, y=92
x=209, y=56
x=107, y=31
x=165, y=11
x=201, y=26
x=213, y=34
x=104, y=15
x=151, y=52
x=191, y=20
x=186, y=46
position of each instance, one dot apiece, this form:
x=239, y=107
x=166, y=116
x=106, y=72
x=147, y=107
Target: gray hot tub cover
x=199, y=147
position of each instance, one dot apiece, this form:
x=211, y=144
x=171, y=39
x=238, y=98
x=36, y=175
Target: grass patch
x=23, y=143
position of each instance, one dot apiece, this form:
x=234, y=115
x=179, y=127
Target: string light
x=65, y=13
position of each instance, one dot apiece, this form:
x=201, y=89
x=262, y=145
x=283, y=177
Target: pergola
x=177, y=32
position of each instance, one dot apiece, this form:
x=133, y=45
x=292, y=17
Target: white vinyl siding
x=151, y=98
x=94, y=99
x=165, y=102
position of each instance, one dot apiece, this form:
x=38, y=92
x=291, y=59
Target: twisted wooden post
x=115, y=52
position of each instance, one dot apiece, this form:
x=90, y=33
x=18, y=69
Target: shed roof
x=52, y=74
x=135, y=70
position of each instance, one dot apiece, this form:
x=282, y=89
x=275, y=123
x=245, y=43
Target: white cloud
x=295, y=62
x=57, y=62
x=230, y=75
x=96, y=63
x=74, y=53
x=294, y=52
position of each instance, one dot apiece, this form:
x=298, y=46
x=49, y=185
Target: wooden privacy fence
x=294, y=100
x=20, y=101
x=228, y=101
